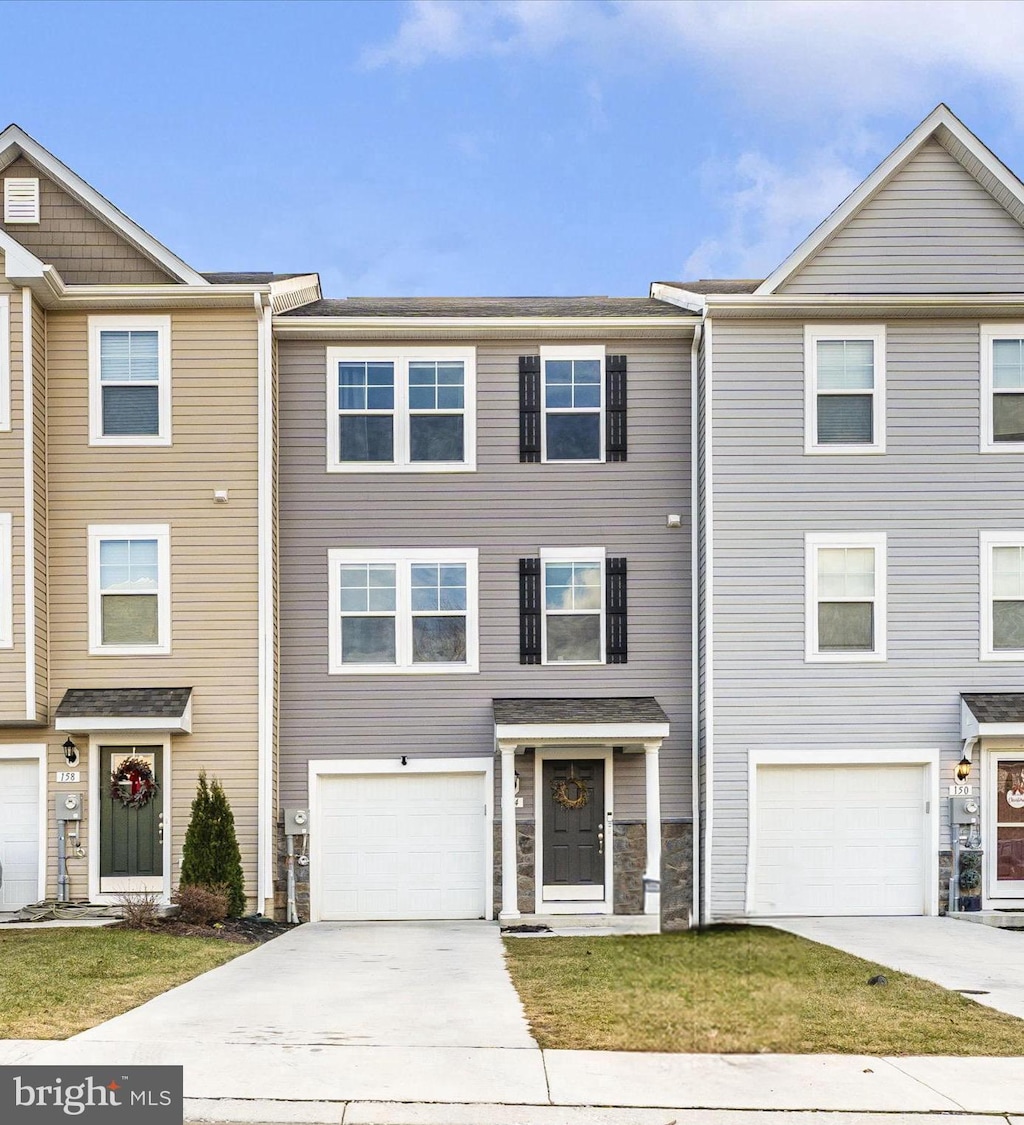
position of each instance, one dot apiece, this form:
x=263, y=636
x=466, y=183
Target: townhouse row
x=696, y=605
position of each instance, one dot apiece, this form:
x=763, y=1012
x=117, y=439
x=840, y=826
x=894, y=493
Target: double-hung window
x=1002, y=596
x=572, y=382
x=409, y=410
x=573, y=600
x=129, y=589
x=1002, y=388
x=846, y=610
x=130, y=380
x=403, y=611
x=844, y=388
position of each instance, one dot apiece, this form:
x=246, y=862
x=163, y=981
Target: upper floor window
x=846, y=612
x=129, y=589
x=573, y=403
x=1002, y=388
x=130, y=380
x=403, y=611
x=845, y=388
x=573, y=601
x=1002, y=596
x=401, y=410
x=21, y=200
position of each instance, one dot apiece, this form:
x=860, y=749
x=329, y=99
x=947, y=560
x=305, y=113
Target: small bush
x=138, y=909
x=210, y=856
x=201, y=906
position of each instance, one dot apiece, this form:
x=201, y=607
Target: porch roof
x=991, y=714
x=607, y=719
x=137, y=708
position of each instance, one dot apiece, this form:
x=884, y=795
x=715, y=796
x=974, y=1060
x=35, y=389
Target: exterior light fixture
x=963, y=769
x=70, y=752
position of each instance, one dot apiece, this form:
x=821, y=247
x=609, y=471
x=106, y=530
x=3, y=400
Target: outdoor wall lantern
x=70, y=752
x=963, y=769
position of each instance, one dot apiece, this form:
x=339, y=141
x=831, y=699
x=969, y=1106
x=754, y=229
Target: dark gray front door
x=573, y=832
x=131, y=848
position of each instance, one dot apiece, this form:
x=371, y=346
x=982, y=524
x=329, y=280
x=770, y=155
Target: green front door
x=131, y=837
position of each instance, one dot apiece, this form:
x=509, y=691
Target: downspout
x=265, y=627
x=695, y=831
x=707, y=611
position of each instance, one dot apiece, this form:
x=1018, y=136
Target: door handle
x=600, y=841
x=160, y=828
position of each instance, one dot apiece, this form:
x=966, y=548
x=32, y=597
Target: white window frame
x=813, y=543
x=97, y=534
x=5, y=362
x=9, y=187
x=162, y=325
x=570, y=555
x=813, y=335
x=987, y=336
x=6, y=581
x=583, y=351
x=402, y=357
x=403, y=561
x=987, y=541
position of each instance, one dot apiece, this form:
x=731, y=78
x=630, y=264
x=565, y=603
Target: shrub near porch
x=742, y=989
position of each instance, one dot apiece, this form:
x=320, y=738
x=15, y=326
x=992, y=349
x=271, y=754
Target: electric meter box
x=964, y=810
x=296, y=822
x=68, y=806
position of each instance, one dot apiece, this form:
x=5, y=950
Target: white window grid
x=989, y=334
x=988, y=542
x=818, y=333
x=401, y=411
x=813, y=544
x=97, y=326
x=568, y=352
x=403, y=561
x=103, y=533
x=595, y=556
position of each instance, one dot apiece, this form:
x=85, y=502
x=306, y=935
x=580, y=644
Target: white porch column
x=652, y=872
x=509, y=859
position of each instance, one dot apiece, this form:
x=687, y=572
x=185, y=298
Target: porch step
x=587, y=925
x=1001, y=919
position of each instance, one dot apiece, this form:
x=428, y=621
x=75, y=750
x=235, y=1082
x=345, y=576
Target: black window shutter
x=615, y=611
x=529, y=408
x=529, y=611
x=615, y=408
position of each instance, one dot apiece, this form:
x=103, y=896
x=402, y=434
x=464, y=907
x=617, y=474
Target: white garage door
x=402, y=846
x=19, y=833
x=840, y=840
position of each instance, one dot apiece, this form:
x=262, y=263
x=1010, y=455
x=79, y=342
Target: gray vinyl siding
x=508, y=510
x=931, y=229
x=931, y=494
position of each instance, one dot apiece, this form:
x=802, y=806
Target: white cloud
x=765, y=211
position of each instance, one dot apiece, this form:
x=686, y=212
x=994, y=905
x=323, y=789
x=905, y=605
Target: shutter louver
x=615, y=407
x=529, y=611
x=529, y=409
x=21, y=201
x=615, y=611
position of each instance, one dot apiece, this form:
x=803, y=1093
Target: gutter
x=317, y=327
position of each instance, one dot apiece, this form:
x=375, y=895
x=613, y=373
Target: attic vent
x=21, y=201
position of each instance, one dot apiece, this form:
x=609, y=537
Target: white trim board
x=29, y=473
x=37, y=751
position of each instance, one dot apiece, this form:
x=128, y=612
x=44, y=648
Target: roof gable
x=146, y=259
x=941, y=214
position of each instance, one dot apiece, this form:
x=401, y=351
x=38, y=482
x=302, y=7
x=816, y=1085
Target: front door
x=1006, y=825
x=131, y=823
x=573, y=831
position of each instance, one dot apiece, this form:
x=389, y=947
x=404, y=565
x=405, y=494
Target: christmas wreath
x=560, y=791
x=133, y=783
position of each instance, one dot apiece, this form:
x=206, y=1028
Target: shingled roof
x=996, y=706
x=582, y=709
x=717, y=285
x=487, y=306
x=124, y=703
x=252, y=277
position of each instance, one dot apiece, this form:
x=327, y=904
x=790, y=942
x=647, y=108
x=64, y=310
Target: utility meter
x=964, y=810
x=69, y=806
x=296, y=822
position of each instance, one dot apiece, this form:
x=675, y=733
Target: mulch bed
x=245, y=931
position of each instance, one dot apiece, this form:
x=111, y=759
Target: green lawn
x=740, y=989
x=57, y=982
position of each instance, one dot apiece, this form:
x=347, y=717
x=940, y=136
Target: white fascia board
x=14, y=137
x=594, y=327
x=1001, y=730
x=94, y=723
x=940, y=118
x=580, y=732
x=676, y=295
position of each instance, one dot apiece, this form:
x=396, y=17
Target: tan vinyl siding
x=931, y=494
x=82, y=246
x=40, y=514
x=12, y=500
x=931, y=229
x=213, y=547
x=508, y=510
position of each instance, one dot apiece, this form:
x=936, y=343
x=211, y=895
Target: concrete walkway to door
x=963, y=956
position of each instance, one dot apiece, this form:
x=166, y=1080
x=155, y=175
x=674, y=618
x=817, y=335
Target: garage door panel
x=19, y=833
x=839, y=840
x=402, y=846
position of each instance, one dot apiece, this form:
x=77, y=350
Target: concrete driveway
x=980, y=961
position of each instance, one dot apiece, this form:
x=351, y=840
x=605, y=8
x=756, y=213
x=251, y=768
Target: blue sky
x=509, y=147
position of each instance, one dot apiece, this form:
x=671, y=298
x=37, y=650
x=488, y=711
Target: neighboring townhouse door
x=131, y=836
x=573, y=830
x=1005, y=846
